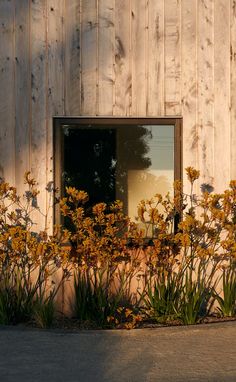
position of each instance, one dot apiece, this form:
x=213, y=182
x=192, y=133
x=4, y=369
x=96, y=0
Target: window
x=117, y=158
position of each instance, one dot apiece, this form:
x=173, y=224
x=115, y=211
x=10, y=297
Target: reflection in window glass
x=158, y=175
x=126, y=162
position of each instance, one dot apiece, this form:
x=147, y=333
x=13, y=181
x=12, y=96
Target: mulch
x=73, y=324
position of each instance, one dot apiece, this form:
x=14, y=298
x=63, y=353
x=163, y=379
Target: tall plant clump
x=181, y=253
x=28, y=259
x=227, y=299
x=192, y=238
x=101, y=238
x=158, y=218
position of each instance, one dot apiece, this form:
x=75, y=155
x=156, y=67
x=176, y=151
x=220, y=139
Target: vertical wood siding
x=106, y=47
x=7, y=90
x=120, y=58
x=156, y=59
x=172, y=73
x=139, y=33
x=221, y=124
x=72, y=51
x=89, y=57
x=232, y=86
x=205, y=81
x=55, y=103
x=39, y=98
x=22, y=92
x=122, y=54
x=189, y=86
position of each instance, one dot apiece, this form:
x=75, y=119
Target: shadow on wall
x=33, y=57
x=40, y=59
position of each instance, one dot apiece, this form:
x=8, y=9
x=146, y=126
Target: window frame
x=58, y=158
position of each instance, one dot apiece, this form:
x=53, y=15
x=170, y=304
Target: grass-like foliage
x=177, y=262
x=44, y=312
x=189, y=261
x=101, y=251
x=29, y=259
x=227, y=300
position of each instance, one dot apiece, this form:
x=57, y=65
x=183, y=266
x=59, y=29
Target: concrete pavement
x=179, y=354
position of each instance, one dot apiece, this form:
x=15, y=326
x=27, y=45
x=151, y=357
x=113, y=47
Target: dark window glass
x=126, y=161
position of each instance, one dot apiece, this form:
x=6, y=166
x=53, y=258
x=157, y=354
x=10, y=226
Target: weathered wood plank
x=55, y=44
x=22, y=91
x=189, y=83
x=106, y=38
x=123, y=81
x=89, y=58
x=172, y=58
x=206, y=90
x=39, y=75
x=233, y=88
x=55, y=100
x=7, y=107
x=72, y=58
x=139, y=33
x=221, y=94
x=155, y=95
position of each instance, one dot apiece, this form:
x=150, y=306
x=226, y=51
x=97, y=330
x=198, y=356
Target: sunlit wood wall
x=120, y=58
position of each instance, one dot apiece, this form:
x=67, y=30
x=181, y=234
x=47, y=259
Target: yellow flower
x=99, y=208
x=65, y=210
x=28, y=180
x=192, y=174
x=141, y=210
x=128, y=312
x=233, y=184
x=77, y=195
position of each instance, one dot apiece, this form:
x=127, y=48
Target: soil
x=73, y=324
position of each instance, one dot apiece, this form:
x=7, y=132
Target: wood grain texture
x=55, y=84
x=172, y=74
x=89, y=58
x=7, y=90
x=22, y=91
x=155, y=58
x=106, y=39
x=205, y=47
x=55, y=58
x=233, y=89
x=123, y=80
x=121, y=58
x=189, y=83
x=39, y=78
x=221, y=94
x=139, y=34
x=72, y=43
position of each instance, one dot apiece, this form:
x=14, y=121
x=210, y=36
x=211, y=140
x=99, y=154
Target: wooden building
x=119, y=58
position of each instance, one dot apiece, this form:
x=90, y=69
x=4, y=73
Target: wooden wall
x=120, y=58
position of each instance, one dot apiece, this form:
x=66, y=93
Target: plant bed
x=181, y=266
x=75, y=325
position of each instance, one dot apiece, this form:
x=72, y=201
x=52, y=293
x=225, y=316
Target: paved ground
x=196, y=353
